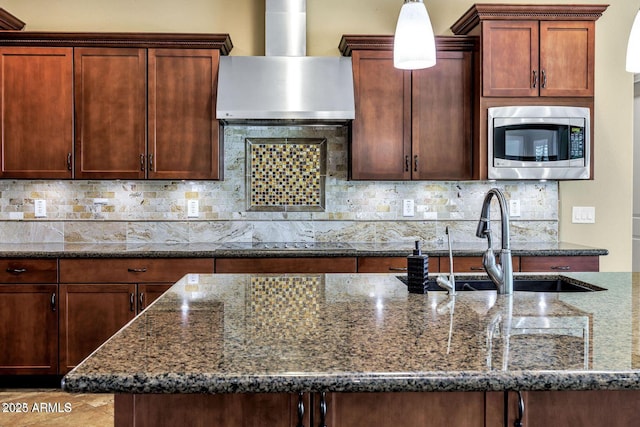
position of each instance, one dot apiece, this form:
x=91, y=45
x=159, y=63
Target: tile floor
x=54, y=408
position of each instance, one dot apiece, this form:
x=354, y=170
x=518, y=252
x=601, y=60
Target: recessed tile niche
x=286, y=174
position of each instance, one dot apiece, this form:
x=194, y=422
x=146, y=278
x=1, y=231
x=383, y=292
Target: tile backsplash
x=355, y=211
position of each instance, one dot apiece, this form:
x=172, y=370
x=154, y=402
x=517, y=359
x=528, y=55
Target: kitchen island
x=351, y=349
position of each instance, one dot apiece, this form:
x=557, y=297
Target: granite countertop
x=233, y=333
x=298, y=249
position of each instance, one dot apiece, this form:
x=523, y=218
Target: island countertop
x=226, y=333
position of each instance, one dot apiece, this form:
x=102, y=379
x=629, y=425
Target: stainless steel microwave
x=539, y=142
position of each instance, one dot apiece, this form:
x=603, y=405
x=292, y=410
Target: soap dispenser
x=417, y=271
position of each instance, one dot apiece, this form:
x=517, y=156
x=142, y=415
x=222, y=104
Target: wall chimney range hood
x=285, y=85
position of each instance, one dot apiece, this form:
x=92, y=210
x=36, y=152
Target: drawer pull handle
x=53, y=301
x=476, y=268
x=132, y=302
x=141, y=301
x=397, y=268
x=137, y=270
x=16, y=270
x=561, y=267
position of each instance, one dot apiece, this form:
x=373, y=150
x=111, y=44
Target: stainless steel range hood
x=285, y=85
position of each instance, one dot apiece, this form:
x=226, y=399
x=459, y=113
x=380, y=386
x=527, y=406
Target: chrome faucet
x=501, y=275
x=448, y=284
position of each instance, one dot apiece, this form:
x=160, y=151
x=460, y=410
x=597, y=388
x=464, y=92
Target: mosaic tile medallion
x=286, y=174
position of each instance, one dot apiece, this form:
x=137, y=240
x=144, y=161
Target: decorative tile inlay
x=286, y=174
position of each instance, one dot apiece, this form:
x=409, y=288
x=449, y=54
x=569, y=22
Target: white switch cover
x=16, y=215
x=40, y=208
x=514, y=207
x=583, y=215
x=193, y=208
x=408, y=207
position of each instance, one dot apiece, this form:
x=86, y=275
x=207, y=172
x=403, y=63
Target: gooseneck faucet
x=501, y=275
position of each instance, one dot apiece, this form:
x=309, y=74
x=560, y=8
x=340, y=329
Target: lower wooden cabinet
x=287, y=265
x=89, y=315
x=615, y=408
x=405, y=409
x=29, y=329
x=398, y=265
x=560, y=264
x=228, y=410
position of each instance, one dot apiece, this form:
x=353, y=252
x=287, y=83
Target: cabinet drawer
x=559, y=264
x=472, y=264
x=131, y=270
x=287, y=265
x=391, y=264
x=22, y=270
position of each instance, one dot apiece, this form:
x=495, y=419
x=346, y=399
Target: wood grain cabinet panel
x=37, y=112
x=559, y=264
x=131, y=270
x=110, y=103
x=287, y=265
x=89, y=315
x=397, y=133
x=29, y=329
x=183, y=131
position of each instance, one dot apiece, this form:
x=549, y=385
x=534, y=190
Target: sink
x=556, y=284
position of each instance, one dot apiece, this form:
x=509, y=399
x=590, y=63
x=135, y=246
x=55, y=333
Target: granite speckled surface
x=298, y=249
x=364, y=332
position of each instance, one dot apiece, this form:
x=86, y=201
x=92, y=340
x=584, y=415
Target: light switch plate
x=408, y=207
x=583, y=215
x=193, y=208
x=514, y=207
x=40, y=208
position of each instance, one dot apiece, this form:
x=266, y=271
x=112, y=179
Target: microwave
x=539, y=142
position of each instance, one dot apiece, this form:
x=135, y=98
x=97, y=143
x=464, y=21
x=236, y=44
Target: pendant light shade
x=633, y=47
x=414, y=45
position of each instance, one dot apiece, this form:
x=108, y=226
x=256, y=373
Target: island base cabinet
x=211, y=410
x=606, y=408
x=404, y=409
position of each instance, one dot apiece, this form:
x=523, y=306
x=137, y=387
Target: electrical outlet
x=408, y=207
x=583, y=215
x=514, y=207
x=100, y=201
x=40, y=208
x=193, y=208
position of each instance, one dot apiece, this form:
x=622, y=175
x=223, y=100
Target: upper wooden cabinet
x=110, y=98
x=530, y=50
x=144, y=105
x=37, y=112
x=397, y=133
x=183, y=130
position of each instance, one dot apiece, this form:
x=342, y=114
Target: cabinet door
x=567, y=58
x=28, y=329
x=37, y=112
x=183, y=130
x=559, y=264
x=381, y=132
x=510, y=58
x=110, y=101
x=287, y=265
x=89, y=315
x=443, y=95
x=149, y=292
x=464, y=409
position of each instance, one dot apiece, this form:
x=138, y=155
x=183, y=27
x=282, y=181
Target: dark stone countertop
x=225, y=333
x=299, y=249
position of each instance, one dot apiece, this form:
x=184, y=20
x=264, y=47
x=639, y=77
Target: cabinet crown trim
x=480, y=12
x=9, y=21
x=137, y=40
x=351, y=42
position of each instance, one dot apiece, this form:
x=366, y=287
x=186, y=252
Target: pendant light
x=414, y=45
x=633, y=47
